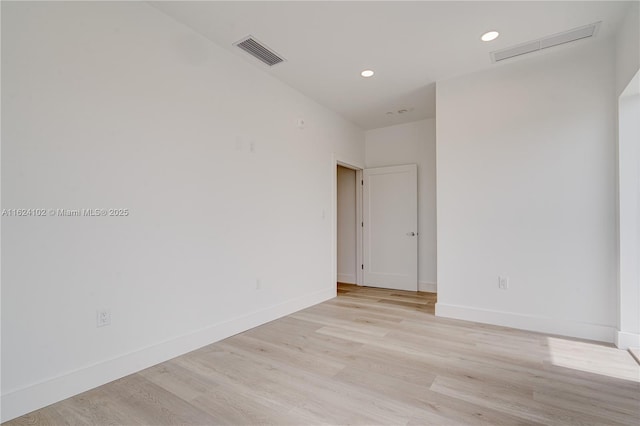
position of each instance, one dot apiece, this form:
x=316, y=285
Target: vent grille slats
x=259, y=51
x=545, y=42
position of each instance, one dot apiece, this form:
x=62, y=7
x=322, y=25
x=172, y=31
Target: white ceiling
x=409, y=45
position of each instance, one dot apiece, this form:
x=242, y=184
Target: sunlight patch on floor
x=593, y=358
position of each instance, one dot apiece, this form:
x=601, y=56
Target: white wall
x=346, y=225
x=628, y=47
x=115, y=105
x=628, y=65
x=412, y=143
x=526, y=188
x=629, y=215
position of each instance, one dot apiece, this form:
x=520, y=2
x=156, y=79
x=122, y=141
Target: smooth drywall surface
x=412, y=143
x=346, y=179
x=629, y=210
x=628, y=47
x=526, y=190
x=114, y=105
x=628, y=65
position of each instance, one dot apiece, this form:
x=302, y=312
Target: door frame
x=339, y=160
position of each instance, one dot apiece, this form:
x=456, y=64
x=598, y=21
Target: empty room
x=320, y=212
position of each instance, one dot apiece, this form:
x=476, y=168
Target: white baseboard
x=347, y=278
x=30, y=398
x=428, y=287
x=577, y=329
x=626, y=340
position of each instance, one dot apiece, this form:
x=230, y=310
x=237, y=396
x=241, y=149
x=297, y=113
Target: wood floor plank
x=146, y=403
x=373, y=357
x=183, y=382
x=520, y=405
x=460, y=412
x=50, y=416
x=293, y=356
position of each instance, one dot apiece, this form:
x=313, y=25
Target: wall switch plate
x=103, y=317
x=503, y=282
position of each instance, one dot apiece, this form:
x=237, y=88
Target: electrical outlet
x=503, y=282
x=103, y=317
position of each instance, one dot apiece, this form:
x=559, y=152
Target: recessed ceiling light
x=490, y=35
x=367, y=73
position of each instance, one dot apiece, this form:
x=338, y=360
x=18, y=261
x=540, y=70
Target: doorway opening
x=348, y=225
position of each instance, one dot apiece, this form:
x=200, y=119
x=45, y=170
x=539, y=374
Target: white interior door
x=390, y=223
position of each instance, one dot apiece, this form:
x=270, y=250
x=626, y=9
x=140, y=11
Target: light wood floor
x=372, y=357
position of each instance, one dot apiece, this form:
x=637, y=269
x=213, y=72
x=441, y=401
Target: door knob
x=411, y=234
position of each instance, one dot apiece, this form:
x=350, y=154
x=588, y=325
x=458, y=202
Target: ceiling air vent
x=545, y=42
x=258, y=50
